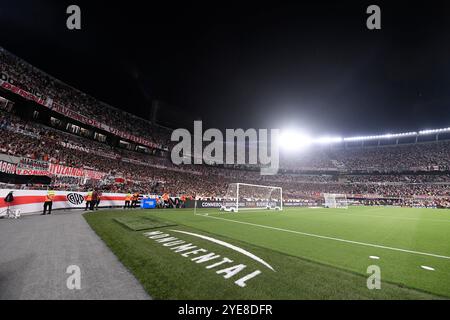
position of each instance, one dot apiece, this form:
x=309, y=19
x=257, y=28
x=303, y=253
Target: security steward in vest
x=88, y=199
x=48, y=202
x=134, y=199
x=127, y=200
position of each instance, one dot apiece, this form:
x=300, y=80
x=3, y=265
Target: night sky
x=312, y=65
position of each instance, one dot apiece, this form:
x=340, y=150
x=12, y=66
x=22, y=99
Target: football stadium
x=98, y=201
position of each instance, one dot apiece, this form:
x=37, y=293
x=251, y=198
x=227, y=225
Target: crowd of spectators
x=420, y=156
x=398, y=178
x=33, y=80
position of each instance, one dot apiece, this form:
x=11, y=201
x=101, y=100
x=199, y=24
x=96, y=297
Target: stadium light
x=293, y=140
x=328, y=140
x=433, y=131
x=382, y=136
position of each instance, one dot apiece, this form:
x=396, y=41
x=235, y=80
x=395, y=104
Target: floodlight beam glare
x=295, y=140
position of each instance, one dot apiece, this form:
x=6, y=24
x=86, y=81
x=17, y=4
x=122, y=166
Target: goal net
x=243, y=196
x=335, y=200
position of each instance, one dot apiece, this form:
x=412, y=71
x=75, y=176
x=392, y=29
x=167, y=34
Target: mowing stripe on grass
x=331, y=238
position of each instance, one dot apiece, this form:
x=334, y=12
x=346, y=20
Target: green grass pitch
x=315, y=253
x=142, y=223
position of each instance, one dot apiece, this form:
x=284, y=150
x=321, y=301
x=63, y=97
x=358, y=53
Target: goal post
x=244, y=196
x=335, y=200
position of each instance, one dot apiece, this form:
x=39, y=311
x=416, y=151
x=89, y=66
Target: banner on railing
x=7, y=167
x=28, y=201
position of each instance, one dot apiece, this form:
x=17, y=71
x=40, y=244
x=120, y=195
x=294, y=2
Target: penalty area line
x=332, y=238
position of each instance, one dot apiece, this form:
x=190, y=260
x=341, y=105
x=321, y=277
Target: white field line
x=331, y=238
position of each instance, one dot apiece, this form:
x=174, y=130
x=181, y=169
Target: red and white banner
x=24, y=94
x=31, y=167
x=92, y=174
x=92, y=122
x=7, y=167
x=31, y=172
x=60, y=170
x=29, y=201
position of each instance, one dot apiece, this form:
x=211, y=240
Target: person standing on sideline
x=182, y=201
x=166, y=199
x=99, y=195
x=88, y=199
x=127, y=200
x=134, y=200
x=94, y=199
x=48, y=202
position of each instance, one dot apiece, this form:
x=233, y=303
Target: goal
x=335, y=200
x=244, y=196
